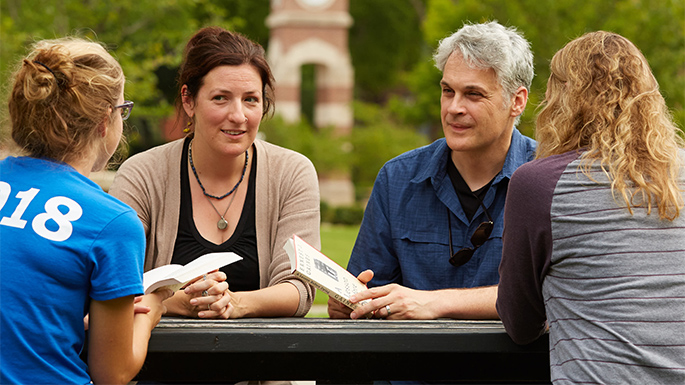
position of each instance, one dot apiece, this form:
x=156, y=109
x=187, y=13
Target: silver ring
x=205, y=293
x=209, y=306
x=246, y=119
x=387, y=308
x=204, y=277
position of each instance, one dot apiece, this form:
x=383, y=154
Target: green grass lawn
x=336, y=242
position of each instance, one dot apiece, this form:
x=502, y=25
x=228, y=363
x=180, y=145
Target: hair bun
x=46, y=67
x=46, y=75
x=39, y=81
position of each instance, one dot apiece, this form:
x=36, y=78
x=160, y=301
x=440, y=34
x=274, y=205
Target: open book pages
x=176, y=276
x=322, y=272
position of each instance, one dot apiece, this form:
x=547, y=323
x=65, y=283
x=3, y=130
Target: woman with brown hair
x=598, y=257
x=68, y=248
x=222, y=189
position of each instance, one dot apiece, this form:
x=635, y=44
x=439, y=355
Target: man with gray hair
x=430, y=242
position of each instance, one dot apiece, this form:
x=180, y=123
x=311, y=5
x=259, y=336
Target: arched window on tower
x=308, y=93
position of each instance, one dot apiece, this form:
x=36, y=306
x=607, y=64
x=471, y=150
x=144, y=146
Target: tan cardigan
x=286, y=202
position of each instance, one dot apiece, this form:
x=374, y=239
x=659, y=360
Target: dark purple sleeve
x=527, y=247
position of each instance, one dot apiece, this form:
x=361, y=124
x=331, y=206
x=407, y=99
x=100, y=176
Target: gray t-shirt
x=610, y=285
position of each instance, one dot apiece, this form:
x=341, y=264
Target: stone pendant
x=222, y=224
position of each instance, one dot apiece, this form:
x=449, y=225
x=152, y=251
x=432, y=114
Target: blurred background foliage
x=397, y=89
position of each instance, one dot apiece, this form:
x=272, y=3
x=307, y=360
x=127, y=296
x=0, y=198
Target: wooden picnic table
x=340, y=351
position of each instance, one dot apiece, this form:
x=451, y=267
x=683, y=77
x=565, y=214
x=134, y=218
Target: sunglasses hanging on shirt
x=478, y=238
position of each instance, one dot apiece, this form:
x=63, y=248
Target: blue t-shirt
x=63, y=241
x=404, y=235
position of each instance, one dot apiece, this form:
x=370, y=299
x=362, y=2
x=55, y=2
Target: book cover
x=176, y=276
x=322, y=272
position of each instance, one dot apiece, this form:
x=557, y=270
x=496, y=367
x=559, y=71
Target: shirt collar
x=436, y=168
x=519, y=152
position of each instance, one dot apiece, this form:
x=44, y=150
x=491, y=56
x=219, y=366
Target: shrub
x=375, y=139
x=348, y=215
x=321, y=146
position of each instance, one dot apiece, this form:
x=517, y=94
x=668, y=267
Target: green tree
x=147, y=37
x=384, y=43
x=391, y=43
x=657, y=28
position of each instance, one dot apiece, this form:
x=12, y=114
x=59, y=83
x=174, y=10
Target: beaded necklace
x=192, y=166
x=222, y=223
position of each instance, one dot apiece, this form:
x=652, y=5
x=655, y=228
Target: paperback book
x=177, y=276
x=313, y=266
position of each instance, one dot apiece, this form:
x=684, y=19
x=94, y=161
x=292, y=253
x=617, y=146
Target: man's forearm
x=471, y=303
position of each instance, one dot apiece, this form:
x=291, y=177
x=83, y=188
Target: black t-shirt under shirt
x=242, y=275
x=467, y=198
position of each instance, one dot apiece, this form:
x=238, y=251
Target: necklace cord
x=222, y=224
x=192, y=166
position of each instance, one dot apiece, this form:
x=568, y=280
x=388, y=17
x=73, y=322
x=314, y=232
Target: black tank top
x=242, y=275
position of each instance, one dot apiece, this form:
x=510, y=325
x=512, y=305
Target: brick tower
x=312, y=32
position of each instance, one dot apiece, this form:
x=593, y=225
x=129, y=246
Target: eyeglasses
x=126, y=109
x=479, y=237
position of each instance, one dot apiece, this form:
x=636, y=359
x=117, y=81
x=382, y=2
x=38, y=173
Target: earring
x=187, y=129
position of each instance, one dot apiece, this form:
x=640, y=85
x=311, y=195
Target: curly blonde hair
x=61, y=93
x=603, y=98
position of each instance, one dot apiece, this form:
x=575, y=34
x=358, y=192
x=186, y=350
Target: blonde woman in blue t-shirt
x=69, y=249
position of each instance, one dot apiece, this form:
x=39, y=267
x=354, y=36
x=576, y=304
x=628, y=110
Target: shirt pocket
x=420, y=250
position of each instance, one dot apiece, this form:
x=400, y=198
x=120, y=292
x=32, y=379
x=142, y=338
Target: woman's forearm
x=142, y=329
x=279, y=300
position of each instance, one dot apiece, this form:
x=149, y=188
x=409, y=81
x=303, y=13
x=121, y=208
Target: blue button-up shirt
x=404, y=235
